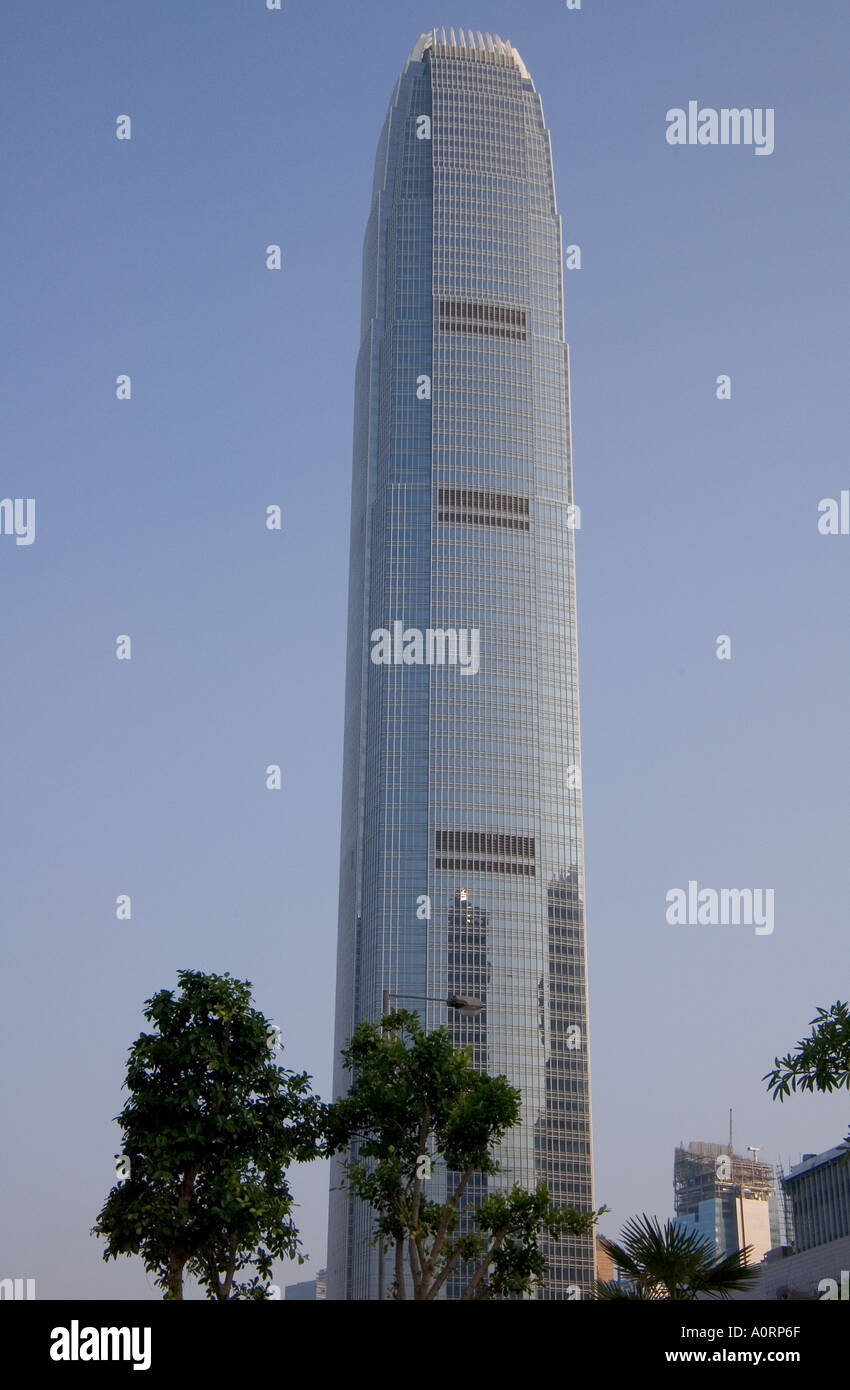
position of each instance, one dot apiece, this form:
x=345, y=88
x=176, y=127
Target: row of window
x=473, y=506
x=496, y=320
x=485, y=841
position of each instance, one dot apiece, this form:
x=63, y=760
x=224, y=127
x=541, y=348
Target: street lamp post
x=753, y=1149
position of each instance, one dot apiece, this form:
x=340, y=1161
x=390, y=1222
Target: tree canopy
x=415, y=1102
x=210, y=1127
x=672, y=1263
x=820, y=1062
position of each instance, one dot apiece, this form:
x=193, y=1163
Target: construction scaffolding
x=702, y=1172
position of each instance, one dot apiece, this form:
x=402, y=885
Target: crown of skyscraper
x=467, y=43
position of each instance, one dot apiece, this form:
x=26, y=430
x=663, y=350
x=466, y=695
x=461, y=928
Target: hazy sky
x=699, y=517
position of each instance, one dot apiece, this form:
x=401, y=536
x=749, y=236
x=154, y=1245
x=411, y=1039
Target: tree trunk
x=223, y=1290
x=478, y=1276
x=176, y=1265
x=400, y=1291
x=177, y=1259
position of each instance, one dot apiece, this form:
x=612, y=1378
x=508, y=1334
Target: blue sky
x=699, y=518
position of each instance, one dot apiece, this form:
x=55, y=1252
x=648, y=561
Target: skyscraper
x=461, y=855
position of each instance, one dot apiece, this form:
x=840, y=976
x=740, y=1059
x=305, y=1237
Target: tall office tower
x=461, y=857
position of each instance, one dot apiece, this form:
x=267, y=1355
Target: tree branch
x=445, y=1273
x=485, y=1264
x=450, y=1207
x=415, y=1258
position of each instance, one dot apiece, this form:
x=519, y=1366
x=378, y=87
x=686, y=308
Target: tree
x=820, y=1062
x=208, y=1132
x=416, y=1100
x=672, y=1264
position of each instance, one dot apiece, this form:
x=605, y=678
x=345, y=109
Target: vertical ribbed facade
x=461, y=856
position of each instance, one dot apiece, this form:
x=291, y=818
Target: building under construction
x=727, y=1198
x=703, y=1171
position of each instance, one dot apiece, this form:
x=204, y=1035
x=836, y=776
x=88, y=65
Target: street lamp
x=464, y=1003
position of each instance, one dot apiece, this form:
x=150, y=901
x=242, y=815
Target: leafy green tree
x=672, y=1263
x=416, y=1100
x=820, y=1062
x=209, y=1129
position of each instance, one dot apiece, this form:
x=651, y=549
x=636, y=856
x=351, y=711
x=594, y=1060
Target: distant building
x=819, y=1189
x=606, y=1270
x=817, y=1264
x=728, y=1199
x=308, y=1290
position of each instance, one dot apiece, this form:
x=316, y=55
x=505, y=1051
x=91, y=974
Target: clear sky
x=699, y=517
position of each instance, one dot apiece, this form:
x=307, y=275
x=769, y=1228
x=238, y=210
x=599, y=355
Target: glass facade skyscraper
x=461, y=855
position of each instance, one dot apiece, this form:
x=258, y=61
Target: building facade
x=461, y=848
x=308, y=1290
x=814, y=1264
x=819, y=1189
